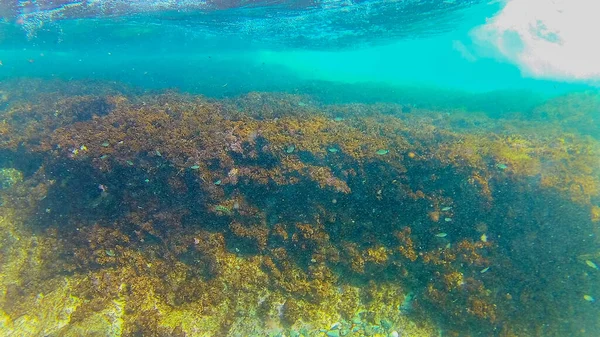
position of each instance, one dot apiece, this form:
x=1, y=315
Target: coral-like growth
x=595, y=213
x=177, y=215
x=406, y=247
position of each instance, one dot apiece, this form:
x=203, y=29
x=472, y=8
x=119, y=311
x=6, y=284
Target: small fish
x=223, y=209
x=290, y=149
x=382, y=152
x=338, y=119
x=447, y=219
x=591, y=264
x=105, y=144
x=130, y=163
x=110, y=252
x=441, y=235
x=332, y=150
x=502, y=166
x=446, y=209
x=195, y=167
x=484, y=270
x=218, y=182
x=589, y=298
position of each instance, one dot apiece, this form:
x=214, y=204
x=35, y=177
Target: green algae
x=9, y=177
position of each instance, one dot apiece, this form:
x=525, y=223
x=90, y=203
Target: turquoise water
x=299, y=168
x=254, y=46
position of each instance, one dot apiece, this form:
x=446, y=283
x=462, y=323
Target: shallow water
x=366, y=168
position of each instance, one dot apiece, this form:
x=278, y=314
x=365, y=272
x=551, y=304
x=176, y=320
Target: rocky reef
x=169, y=214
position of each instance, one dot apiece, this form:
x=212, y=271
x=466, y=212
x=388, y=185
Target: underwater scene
x=408, y=168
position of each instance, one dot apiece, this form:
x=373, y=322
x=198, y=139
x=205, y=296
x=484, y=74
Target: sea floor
x=269, y=214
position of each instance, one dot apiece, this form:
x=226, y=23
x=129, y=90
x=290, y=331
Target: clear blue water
x=226, y=48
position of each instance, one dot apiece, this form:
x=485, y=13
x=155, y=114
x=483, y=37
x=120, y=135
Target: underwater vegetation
x=169, y=214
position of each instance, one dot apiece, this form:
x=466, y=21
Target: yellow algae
x=52, y=313
x=218, y=260
x=595, y=213
x=9, y=177
x=20, y=248
x=516, y=154
x=453, y=280
x=378, y=255
x=105, y=322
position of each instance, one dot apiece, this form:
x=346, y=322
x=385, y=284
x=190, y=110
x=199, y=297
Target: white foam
x=551, y=39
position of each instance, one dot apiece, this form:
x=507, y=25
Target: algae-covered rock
x=9, y=177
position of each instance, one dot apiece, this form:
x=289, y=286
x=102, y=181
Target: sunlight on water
x=547, y=39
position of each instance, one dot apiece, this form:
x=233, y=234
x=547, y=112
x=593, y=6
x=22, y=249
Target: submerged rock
x=9, y=177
